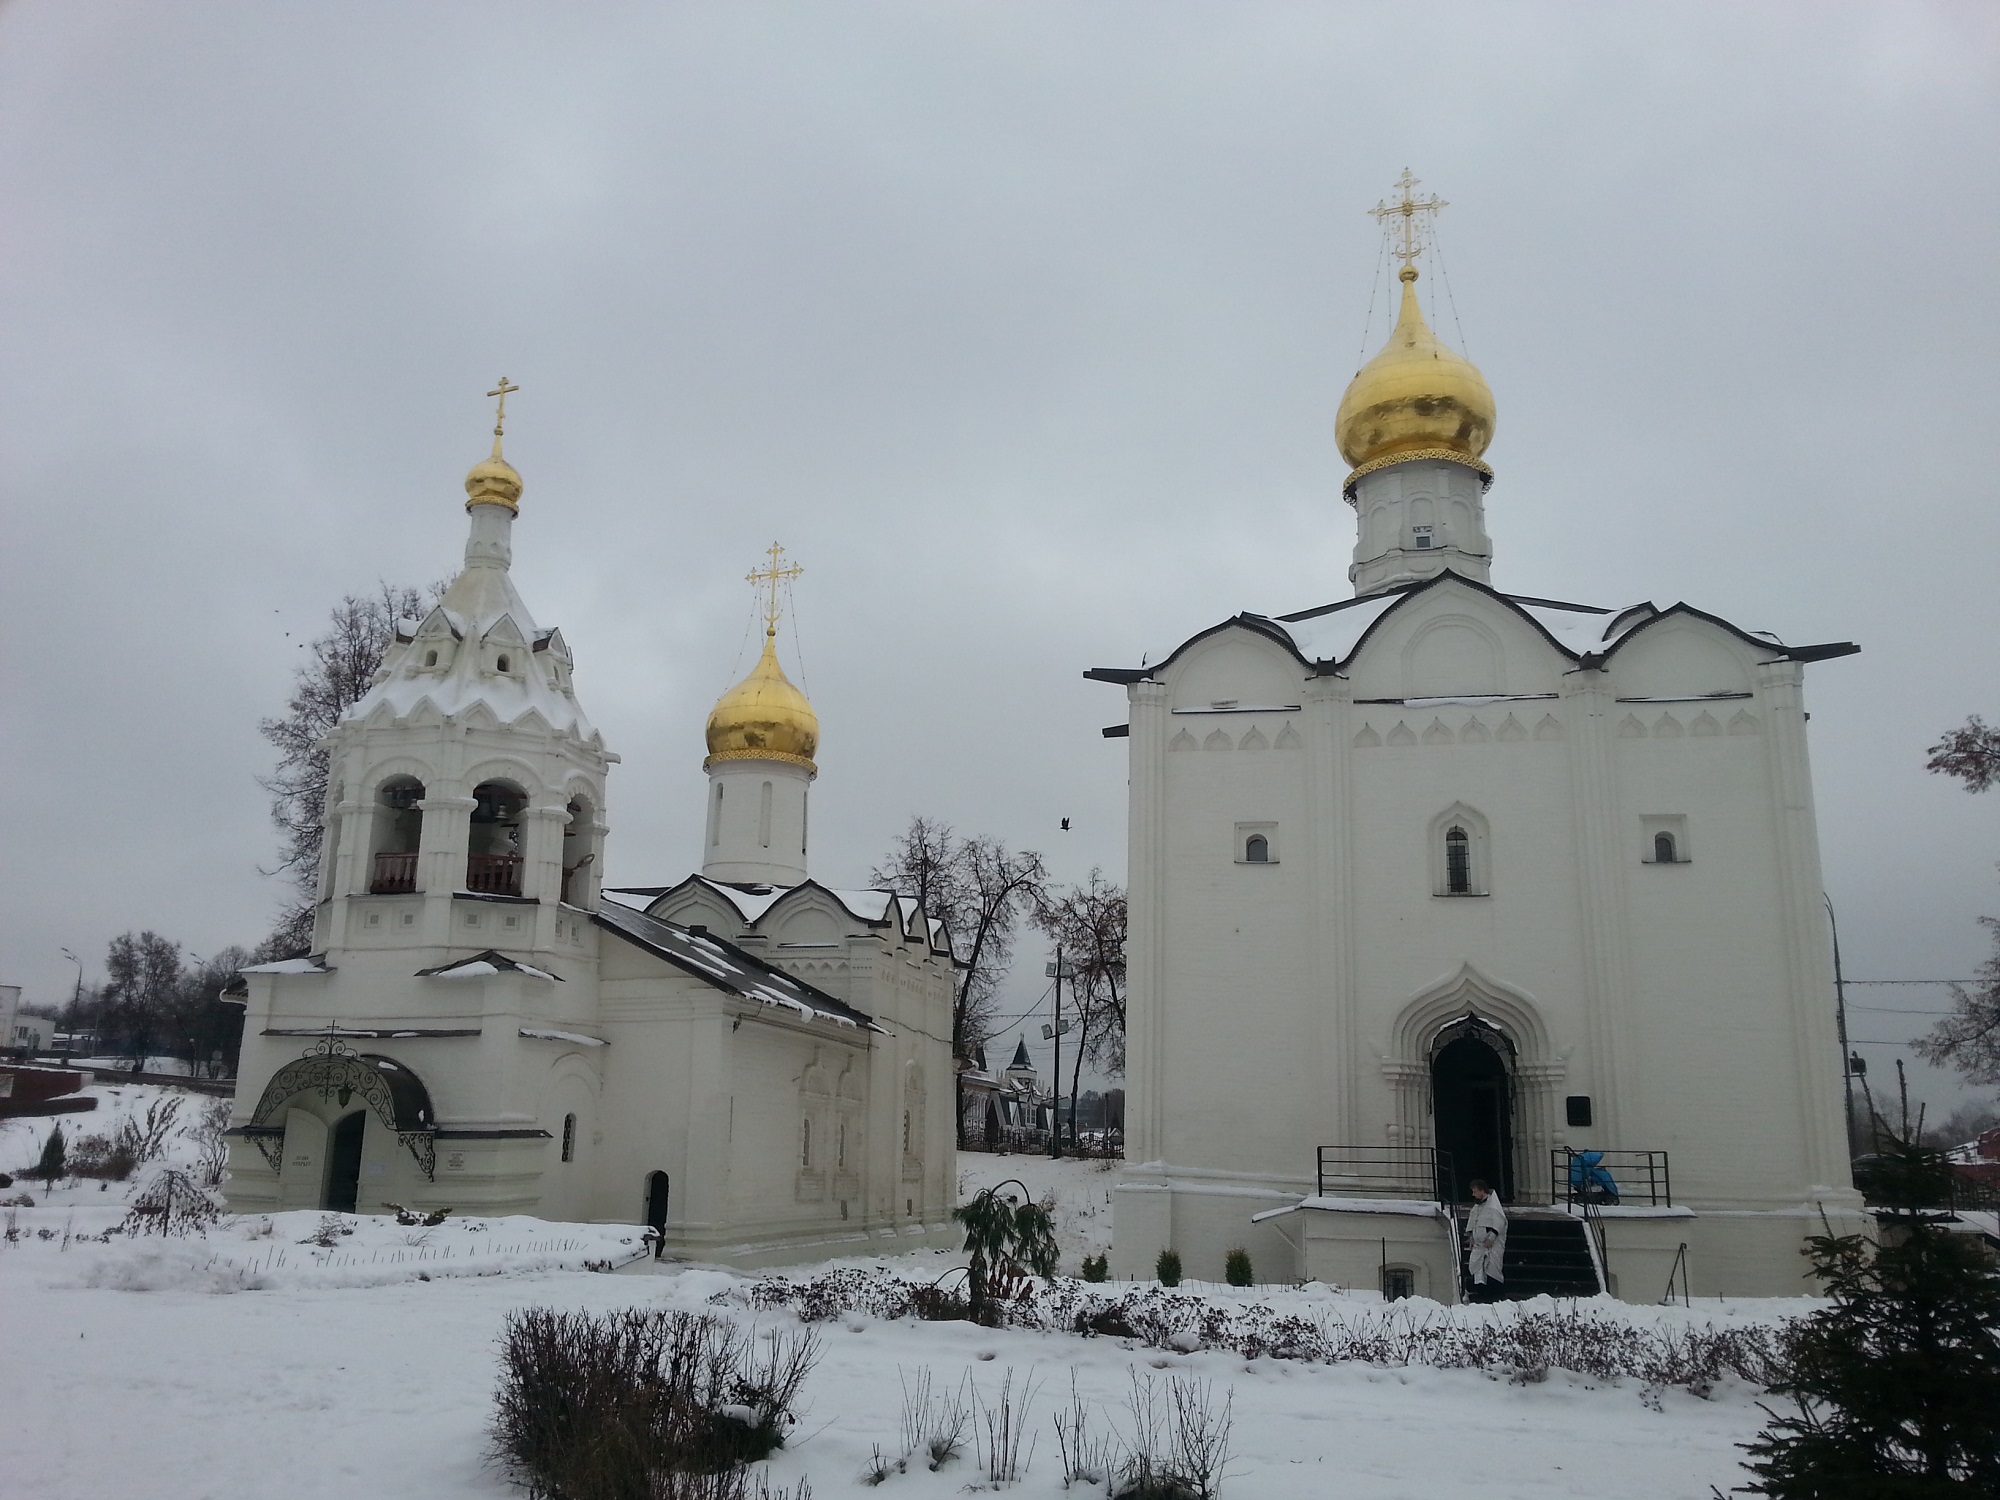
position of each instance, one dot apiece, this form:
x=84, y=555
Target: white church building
x=1442, y=882
x=754, y=1064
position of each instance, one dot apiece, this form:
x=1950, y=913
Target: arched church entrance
x=1472, y=1104
x=343, y=1163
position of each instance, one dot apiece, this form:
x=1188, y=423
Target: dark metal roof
x=726, y=966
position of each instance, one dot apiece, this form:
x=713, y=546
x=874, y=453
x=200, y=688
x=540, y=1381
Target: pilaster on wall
x=1146, y=876
x=1328, y=705
x=1588, y=701
x=1808, y=965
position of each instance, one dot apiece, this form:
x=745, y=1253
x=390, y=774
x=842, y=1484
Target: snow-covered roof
x=753, y=902
x=482, y=965
x=1328, y=637
x=481, y=607
x=313, y=964
x=728, y=967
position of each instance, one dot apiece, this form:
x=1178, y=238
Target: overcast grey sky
x=1021, y=325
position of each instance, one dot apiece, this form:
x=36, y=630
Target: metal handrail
x=1642, y=1178
x=1421, y=1172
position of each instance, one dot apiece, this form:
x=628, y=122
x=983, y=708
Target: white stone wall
x=1284, y=1006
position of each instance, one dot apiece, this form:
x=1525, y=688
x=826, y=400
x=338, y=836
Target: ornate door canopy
x=337, y=1073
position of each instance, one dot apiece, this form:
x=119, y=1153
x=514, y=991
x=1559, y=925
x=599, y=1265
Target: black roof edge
x=1824, y=652
x=1121, y=675
x=1116, y=731
x=1582, y=609
x=1340, y=604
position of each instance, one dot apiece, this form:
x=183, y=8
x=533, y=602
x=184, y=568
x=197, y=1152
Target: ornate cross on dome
x=500, y=416
x=1409, y=231
x=768, y=579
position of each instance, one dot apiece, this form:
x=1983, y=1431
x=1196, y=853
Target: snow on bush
x=1519, y=1342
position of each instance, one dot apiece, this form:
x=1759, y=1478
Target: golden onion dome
x=493, y=481
x=764, y=717
x=1415, y=399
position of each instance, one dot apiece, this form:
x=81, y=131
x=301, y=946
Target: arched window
x=1457, y=862
x=1663, y=849
x=397, y=834
x=505, y=662
x=569, y=1138
x=430, y=658
x=579, y=851
x=1257, y=850
x=493, y=852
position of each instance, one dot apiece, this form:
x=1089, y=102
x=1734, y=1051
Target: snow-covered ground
x=249, y=1365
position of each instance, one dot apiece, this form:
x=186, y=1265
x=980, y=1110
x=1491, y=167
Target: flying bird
x=1065, y=825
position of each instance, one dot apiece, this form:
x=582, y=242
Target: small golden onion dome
x=493, y=481
x=1415, y=399
x=764, y=717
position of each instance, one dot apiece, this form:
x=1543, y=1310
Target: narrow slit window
x=806, y=1142
x=1664, y=852
x=1458, y=863
x=1257, y=850
x=569, y=1138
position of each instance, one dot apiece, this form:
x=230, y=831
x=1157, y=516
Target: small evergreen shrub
x=50, y=1167
x=1236, y=1269
x=1168, y=1268
x=1097, y=1268
x=101, y=1157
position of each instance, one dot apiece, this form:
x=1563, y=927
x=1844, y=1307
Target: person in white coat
x=1486, y=1243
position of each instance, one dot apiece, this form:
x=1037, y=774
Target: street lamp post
x=76, y=998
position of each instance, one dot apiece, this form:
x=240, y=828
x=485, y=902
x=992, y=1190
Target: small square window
x=471, y=919
x=374, y=919
x=1422, y=538
x=409, y=919
x=1576, y=1111
x=512, y=921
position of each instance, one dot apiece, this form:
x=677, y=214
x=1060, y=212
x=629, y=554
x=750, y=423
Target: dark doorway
x=343, y=1163
x=1472, y=1099
x=656, y=1211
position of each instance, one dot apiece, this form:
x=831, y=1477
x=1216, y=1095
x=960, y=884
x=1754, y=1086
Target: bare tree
x=981, y=889
x=143, y=977
x=1971, y=753
x=1087, y=923
x=337, y=671
x=1969, y=1038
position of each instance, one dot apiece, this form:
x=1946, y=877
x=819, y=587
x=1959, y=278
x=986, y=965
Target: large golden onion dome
x=764, y=717
x=1415, y=399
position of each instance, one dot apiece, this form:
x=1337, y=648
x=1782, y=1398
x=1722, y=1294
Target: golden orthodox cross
x=500, y=416
x=769, y=578
x=1410, y=231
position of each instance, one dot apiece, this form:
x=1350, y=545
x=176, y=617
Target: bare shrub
x=1003, y=1425
x=210, y=1136
x=173, y=1203
x=1178, y=1446
x=145, y=1136
x=1088, y=1457
x=643, y=1404
x=934, y=1422
x=1694, y=1358
x=100, y=1156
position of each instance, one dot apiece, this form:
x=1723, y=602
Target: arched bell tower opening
x=396, y=836
x=1472, y=1066
x=493, y=856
